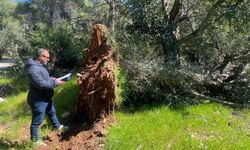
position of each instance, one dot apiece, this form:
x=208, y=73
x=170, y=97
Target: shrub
x=141, y=60
x=122, y=85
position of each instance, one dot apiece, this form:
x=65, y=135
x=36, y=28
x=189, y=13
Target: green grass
x=4, y=80
x=205, y=126
x=15, y=105
x=15, y=115
x=18, y=82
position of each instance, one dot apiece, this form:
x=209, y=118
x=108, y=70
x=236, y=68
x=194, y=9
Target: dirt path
x=6, y=63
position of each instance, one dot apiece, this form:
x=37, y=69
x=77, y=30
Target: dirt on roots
x=96, y=101
x=97, y=82
x=79, y=137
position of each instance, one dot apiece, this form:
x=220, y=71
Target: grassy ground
x=205, y=126
x=15, y=114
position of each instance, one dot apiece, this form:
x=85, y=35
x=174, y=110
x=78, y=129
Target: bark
x=52, y=12
x=65, y=10
x=169, y=38
x=201, y=96
x=165, y=4
x=59, y=10
x=170, y=46
x=111, y=19
x=175, y=10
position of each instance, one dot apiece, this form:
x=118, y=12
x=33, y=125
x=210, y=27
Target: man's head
x=42, y=55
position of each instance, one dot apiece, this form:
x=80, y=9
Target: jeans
x=39, y=109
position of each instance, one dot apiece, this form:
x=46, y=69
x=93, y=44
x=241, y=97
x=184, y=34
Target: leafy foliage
x=121, y=91
x=150, y=20
x=65, y=45
x=11, y=35
x=213, y=49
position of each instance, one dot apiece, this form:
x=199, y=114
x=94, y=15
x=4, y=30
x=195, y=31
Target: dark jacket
x=41, y=85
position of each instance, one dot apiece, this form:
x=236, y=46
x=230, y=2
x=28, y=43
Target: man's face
x=44, y=58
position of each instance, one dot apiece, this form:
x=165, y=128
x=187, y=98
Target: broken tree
x=97, y=82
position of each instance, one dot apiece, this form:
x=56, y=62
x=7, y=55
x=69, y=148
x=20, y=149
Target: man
x=40, y=94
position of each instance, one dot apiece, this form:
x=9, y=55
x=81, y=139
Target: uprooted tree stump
x=97, y=82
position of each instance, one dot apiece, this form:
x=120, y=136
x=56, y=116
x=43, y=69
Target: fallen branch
x=218, y=100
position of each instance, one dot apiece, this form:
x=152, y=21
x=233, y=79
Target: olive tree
x=203, y=45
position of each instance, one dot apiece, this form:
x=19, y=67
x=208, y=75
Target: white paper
x=66, y=76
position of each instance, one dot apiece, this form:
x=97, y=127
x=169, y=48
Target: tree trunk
x=111, y=19
x=59, y=10
x=170, y=44
x=65, y=12
x=97, y=82
x=169, y=39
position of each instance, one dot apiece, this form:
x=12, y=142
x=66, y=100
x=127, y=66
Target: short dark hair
x=40, y=51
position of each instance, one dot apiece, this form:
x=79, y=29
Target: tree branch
x=108, y=2
x=182, y=18
x=205, y=23
x=165, y=4
x=201, y=96
x=246, y=57
x=111, y=20
x=175, y=10
x=208, y=20
x=235, y=72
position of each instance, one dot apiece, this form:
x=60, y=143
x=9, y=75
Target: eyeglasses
x=46, y=56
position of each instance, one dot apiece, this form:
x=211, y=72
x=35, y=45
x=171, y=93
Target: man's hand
x=59, y=81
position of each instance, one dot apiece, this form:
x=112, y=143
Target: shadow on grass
x=6, y=146
x=64, y=100
x=149, y=107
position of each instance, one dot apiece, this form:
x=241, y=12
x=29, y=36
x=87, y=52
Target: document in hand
x=65, y=77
